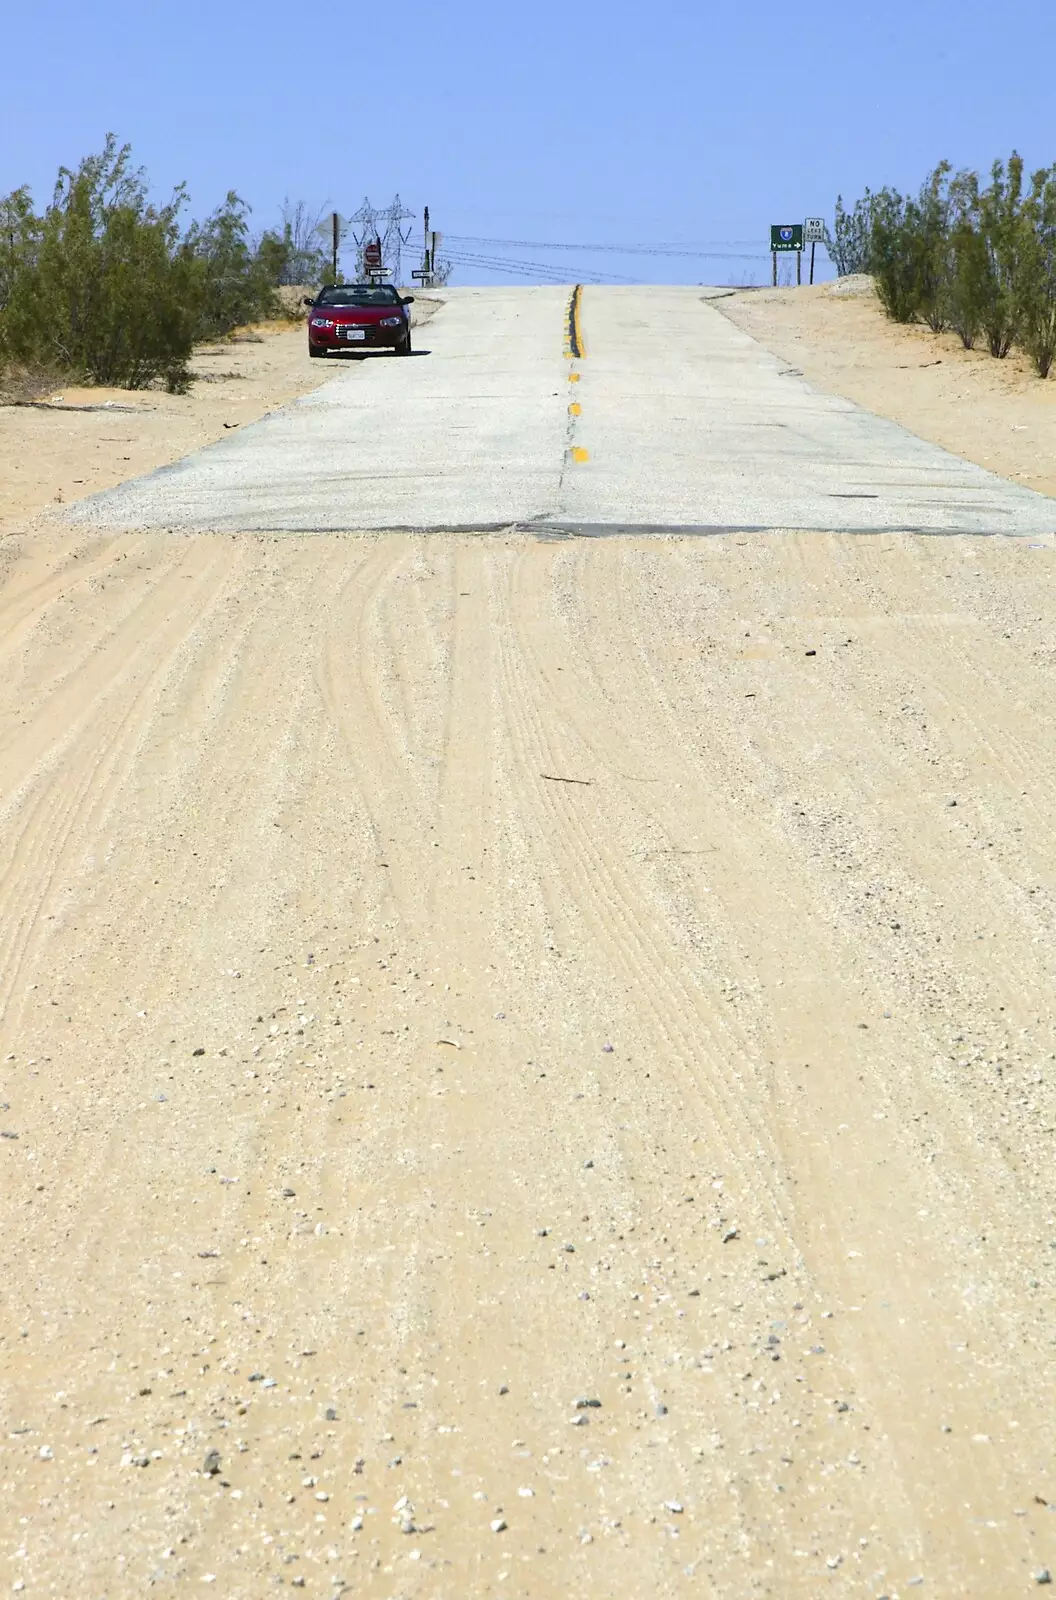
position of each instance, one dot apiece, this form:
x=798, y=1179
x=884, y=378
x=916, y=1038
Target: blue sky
x=596, y=123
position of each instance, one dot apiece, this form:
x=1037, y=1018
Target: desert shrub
x=294, y=253
x=1001, y=224
x=894, y=255
x=1036, y=286
x=980, y=260
x=847, y=242
x=234, y=282
x=928, y=220
x=99, y=286
x=106, y=284
x=19, y=239
x=968, y=261
x=908, y=251
x=966, y=288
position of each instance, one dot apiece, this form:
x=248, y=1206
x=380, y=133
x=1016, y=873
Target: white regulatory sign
x=814, y=230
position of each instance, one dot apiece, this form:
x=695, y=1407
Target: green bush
x=101, y=287
x=895, y=256
x=929, y=223
x=980, y=260
x=848, y=241
x=1037, y=273
x=106, y=285
x=969, y=264
x=1001, y=223
x=19, y=240
x=295, y=255
x=234, y=285
x=908, y=250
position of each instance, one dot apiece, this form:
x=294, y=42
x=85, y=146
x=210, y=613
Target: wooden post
x=774, y=277
x=812, y=261
x=799, y=268
x=336, y=222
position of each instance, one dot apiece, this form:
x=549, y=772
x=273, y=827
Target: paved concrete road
x=673, y=418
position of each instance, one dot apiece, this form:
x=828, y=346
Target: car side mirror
x=307, y=301
x=408, y=300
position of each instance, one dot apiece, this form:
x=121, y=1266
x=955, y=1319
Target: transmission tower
x=365, y=231
x=393, y=239
x=380, y=239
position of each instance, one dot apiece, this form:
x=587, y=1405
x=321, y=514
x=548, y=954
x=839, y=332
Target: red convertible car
x=351, y=316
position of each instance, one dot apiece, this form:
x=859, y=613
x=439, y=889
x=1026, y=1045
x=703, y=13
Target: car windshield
x=359, y=294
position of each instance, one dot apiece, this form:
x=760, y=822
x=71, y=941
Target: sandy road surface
x=310, y=976
x=538, y=1052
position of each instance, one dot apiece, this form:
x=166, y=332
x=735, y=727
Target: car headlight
x=322, y=322
x=391, y=322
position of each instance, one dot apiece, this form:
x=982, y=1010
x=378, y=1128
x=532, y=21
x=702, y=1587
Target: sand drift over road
x=427, y=1176
x=673, y=419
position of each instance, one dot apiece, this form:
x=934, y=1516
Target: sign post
x=786, y=236
x=813, y=234
x=427, y=271
x=372, y=259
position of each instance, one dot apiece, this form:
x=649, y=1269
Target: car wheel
x=315, y=350
x=404, y=347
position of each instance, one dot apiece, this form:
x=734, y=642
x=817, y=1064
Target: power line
x=721, y=251
x=534, y=268
x=515, y=268
x=512, y=271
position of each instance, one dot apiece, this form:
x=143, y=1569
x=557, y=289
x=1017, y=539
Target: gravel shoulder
x=998, y=414
x=527, y=1067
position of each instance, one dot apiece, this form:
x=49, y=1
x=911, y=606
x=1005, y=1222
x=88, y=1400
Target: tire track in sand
x=607, y=898
x=62, y=788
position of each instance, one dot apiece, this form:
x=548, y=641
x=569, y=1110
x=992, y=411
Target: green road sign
x=786, y=236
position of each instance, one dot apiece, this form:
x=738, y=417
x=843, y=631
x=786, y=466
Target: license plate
x=354, y=333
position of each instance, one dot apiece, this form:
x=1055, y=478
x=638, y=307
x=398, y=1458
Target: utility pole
x=814, y=233
x=336, y=224
x=428, y=251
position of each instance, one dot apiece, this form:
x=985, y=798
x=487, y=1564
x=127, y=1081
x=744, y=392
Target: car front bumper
x=374, y=338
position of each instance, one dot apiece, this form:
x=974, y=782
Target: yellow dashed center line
x=575, y=351
x=574, y=347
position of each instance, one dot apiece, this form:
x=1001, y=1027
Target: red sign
x=372, y=253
